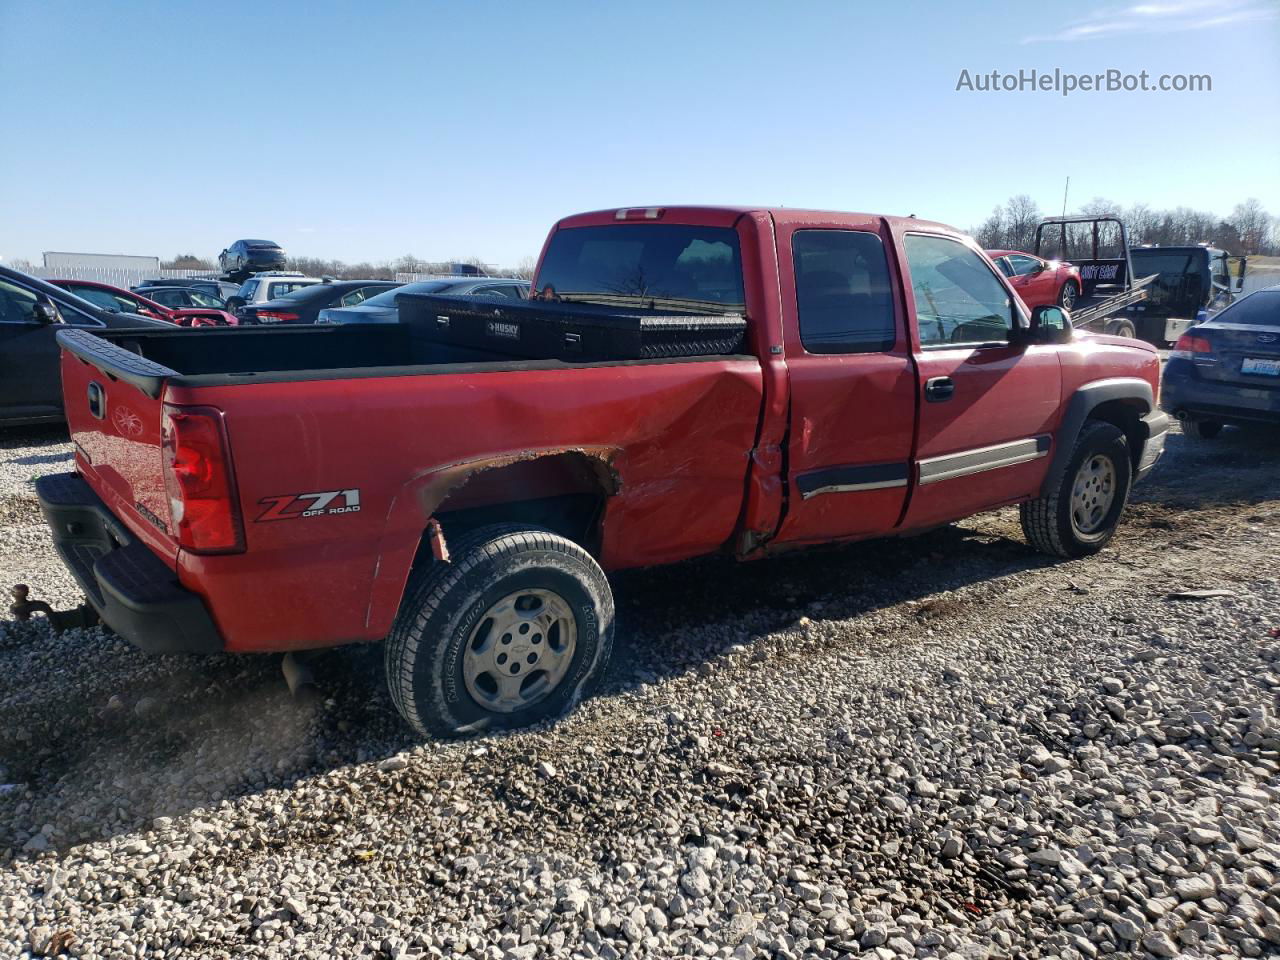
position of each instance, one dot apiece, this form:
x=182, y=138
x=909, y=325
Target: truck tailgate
x=115, y=414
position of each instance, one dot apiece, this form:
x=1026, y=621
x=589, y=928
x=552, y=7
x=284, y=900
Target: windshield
x=659, y=266
x=1181, y=277
x=388, y=297
x=1167, y=263
x=1261, y=309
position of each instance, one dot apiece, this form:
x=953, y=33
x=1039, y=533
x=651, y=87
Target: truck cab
x=1193, y=283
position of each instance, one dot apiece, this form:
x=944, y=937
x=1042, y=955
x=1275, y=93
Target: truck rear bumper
x=1186, y=395
x=132, y=589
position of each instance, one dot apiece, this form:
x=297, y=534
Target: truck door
x=988, y=408
x=852, y=381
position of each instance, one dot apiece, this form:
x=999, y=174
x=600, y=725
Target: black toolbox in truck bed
x=570, y=331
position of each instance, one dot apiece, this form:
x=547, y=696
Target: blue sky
x=374, y=129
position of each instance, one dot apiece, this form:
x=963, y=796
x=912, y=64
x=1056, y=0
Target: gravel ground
x=938, y=747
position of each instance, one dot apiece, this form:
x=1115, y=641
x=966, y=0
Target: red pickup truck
x=291, y=489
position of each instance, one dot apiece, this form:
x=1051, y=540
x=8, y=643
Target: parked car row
x=32, y=311
x=186, y=308
x=382, y=307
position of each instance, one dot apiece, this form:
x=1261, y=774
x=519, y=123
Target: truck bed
x=219, y=355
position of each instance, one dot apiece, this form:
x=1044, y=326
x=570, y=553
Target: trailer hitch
x=23, y=607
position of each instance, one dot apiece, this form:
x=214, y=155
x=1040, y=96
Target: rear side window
x=843, y=294
x=276, y=290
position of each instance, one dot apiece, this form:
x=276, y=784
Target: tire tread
x=432, y=587
x=1040, y=517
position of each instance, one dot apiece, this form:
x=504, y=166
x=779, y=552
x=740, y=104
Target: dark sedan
x=304, y=304
x=1227, y=370
x=251, y=256
x=382, y=308
x=31, y=314
x=221, y=289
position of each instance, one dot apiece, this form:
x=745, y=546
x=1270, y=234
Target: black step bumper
x=132, y=589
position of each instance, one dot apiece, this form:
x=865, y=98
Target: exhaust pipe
x=298, y=676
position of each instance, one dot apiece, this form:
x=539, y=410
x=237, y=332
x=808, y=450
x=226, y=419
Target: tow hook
x=23, y=607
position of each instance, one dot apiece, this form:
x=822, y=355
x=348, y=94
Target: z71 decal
x=326, y=503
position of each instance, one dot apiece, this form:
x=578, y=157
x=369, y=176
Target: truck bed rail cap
x=147, y=375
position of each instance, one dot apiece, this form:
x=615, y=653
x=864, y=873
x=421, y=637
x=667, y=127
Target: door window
x=359, y=296
x=17, y=305
x=1005, y=266
x=958, y=298
x=1022, y=265
x=843, y=294
x=168, y=297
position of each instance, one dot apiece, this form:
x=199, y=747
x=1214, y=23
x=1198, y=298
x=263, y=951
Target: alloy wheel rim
x=1068, y=296
x=1093, y=494
x=519, y=650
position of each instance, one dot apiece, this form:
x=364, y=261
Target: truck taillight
x=203, y=503
x=1189, y=345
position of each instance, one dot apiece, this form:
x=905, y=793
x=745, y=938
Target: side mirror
x=1037, y=269
x=44, y=312
x=1050, y=324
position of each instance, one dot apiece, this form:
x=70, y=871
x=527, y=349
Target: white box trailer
x=101, y=261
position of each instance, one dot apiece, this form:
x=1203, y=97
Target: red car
x=126, y=301
x=688, y=381
x=1039, y=282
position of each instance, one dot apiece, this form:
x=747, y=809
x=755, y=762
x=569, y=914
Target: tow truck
x=1108, y=288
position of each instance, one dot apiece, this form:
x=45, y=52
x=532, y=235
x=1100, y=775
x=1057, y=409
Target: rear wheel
x=1067, y=295
x=516, y=628
x=1201, y=429
x=1081, y=514
x=1121, y=328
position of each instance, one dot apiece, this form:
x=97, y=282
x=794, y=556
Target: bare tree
x=1253, y=223
x=991, y=235
x=1140, y=223
x=188, y=261
x=525, y=267
x=1100, y=207
x=1022, y=214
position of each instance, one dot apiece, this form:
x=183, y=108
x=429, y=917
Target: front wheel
x=516, y=628
x=1067, y=295
x=1080, y=515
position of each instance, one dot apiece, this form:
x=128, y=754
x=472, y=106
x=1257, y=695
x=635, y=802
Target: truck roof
x=727, y=215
